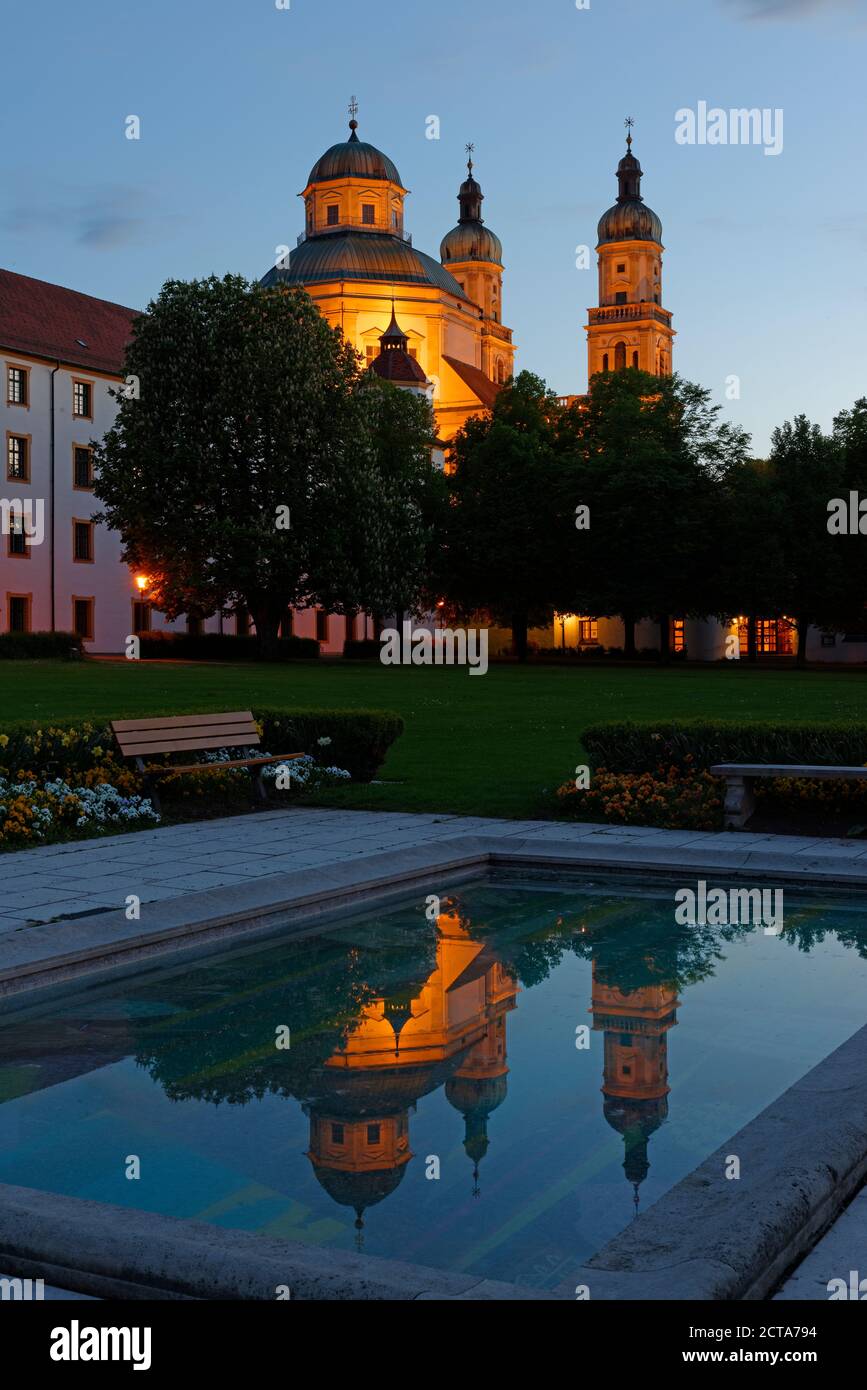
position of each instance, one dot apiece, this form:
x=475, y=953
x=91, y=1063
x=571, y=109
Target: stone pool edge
x=104, y=944
x=709, y=1238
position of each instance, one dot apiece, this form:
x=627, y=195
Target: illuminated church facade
x=357, y=262
x=433, y=326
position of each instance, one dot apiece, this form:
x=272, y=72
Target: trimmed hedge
x=31, y=646
x=359, y=741
x=219, y=646
x=367, y=649
x=623, y=746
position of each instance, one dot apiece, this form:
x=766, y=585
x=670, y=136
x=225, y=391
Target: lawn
x=473, y=745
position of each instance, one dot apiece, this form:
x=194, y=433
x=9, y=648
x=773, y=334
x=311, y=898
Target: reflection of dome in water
x=359, y=1190
x=636, y=1120
x=476, y=1099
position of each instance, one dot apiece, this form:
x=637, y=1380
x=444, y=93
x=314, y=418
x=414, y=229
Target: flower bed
x=32, y=811
x=670, y=798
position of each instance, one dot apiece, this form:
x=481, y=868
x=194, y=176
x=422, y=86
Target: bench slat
x=822, y=770
x=120, y=726
x=206, y=742
x=237, y=762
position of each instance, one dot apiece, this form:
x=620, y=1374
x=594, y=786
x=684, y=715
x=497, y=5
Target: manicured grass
x=476, y=745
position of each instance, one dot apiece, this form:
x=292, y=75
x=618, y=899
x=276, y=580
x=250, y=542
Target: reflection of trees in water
x=638, y=943
x=216, y=1042
x=219, y=1041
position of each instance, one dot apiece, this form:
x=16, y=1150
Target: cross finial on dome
x=629, y=123
x=353, y=112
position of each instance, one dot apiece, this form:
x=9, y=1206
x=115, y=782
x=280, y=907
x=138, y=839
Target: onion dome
x=471, y=240
x=394, y=363
x=353, y=158
x=629, y=219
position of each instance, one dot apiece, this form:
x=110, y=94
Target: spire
x=471, y=195
x=629, y=171
x=353, y=112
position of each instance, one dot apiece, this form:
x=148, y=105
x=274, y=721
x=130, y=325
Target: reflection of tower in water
x=635, y=1077
x=448, y=1029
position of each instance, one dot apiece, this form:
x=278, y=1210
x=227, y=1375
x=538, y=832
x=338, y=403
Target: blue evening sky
x=765, y=264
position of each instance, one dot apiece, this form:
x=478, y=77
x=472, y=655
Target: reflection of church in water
x=635, y=1077
x=450, y=1030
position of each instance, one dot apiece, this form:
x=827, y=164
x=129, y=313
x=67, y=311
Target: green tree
x=230, y=472
x=807, y=472
x=498, y=554
x=649, y=454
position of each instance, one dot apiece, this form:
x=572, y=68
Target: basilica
x=430, y=325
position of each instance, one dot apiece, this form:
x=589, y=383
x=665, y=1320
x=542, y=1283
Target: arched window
x=619, y=356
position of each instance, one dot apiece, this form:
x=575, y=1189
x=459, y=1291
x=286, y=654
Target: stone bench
x=739, y=778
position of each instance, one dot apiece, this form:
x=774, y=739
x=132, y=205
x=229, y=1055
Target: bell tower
x=630, y=328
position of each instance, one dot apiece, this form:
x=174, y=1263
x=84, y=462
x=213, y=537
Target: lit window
x=82, y=399
x=82, y=541
x=16, y=386
x=588, y=630
x=18, y=458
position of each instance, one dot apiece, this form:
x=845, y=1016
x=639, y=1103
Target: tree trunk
x=628, y=619
x=519, y=635
x=802, y=623
x=267, y=618
x=664, y=636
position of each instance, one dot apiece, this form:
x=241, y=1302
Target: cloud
x=795, y=9
x=100, y=219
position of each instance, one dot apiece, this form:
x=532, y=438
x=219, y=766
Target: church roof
x=480, y=385
x=62, y=325
x=356, y=255
x=353, y=158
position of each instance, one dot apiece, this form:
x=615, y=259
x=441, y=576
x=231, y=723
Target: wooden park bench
x=739, y=778
x=187, y=733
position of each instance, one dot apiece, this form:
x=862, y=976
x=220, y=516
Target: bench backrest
x=185, y=732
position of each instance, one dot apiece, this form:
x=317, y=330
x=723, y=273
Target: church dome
x=358, y=255
x=471, y=240
x=630, y=219
x=353, y=158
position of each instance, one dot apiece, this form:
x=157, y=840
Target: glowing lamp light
x=141, y=582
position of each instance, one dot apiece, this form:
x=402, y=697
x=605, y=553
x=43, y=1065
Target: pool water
x=420, y=1089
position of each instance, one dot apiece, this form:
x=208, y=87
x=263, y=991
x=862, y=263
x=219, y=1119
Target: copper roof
x=356, y=255
x=62, y=325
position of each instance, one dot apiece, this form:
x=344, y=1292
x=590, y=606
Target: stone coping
x=103, y=943
x=708, y=1239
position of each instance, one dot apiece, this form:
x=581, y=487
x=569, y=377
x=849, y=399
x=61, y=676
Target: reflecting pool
x=495, y=1091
